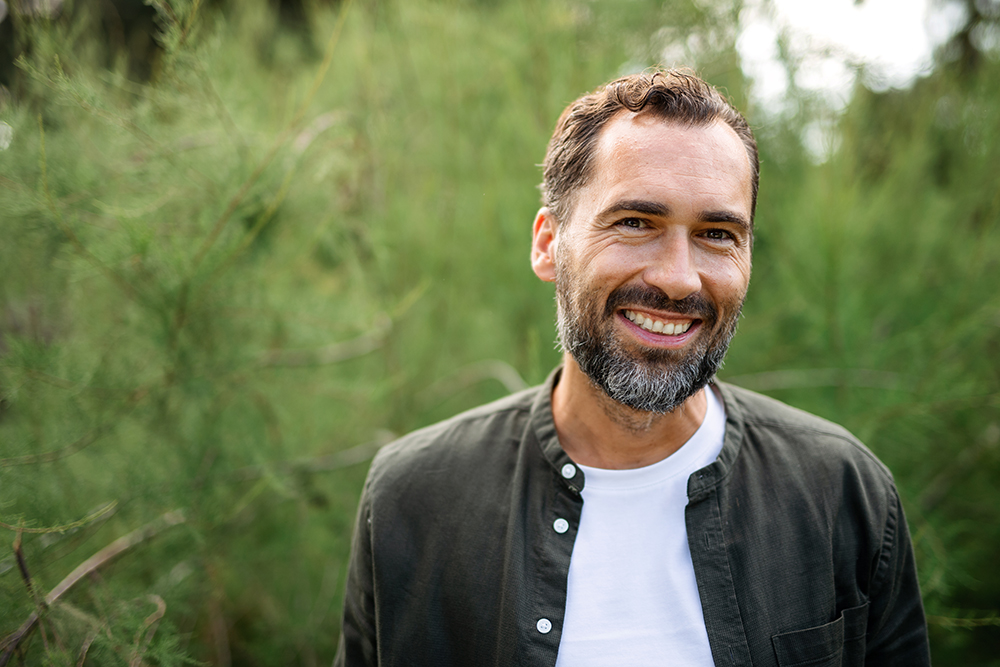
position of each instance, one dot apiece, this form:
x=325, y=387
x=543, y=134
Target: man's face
x=653, y=265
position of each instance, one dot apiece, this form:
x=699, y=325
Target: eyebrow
x=639, y=206
x=655, y=208
x=725, y=216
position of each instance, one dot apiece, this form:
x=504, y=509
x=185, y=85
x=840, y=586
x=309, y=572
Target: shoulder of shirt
x=469, y=438
x=812, y=437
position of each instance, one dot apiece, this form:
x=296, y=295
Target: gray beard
x=651, y=380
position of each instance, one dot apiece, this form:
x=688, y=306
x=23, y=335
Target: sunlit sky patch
x=892, y=41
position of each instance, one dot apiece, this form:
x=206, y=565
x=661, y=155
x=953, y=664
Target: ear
x=543, y=245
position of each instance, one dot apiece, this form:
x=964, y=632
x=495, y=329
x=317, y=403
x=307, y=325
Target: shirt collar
x=544, y=428
x=703, y=480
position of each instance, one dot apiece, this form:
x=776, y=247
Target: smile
x=658, y=326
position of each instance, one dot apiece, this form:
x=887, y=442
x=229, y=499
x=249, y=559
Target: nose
x=673, y=267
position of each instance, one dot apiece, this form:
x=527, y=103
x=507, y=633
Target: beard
x=648, y=379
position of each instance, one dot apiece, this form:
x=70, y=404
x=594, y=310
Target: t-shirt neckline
x=700, y=449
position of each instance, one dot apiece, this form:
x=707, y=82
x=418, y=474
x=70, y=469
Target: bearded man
x=633, y=510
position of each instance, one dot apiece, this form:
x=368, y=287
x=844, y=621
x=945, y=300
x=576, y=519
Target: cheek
x=618, y=261
x=744, y=267
x=602, y=263
x=729, y=276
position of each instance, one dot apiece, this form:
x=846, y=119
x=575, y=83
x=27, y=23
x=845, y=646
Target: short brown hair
x=671, y=94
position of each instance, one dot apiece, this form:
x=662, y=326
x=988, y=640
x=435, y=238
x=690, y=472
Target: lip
x=652, y=339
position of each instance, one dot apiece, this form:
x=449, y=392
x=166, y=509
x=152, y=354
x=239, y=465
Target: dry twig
x=86, y=647
x=342, y=459
x=10, y=643
x=149, y=626
x=61, y=529
x=367, y=342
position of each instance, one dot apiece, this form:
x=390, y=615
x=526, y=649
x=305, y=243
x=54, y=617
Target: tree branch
x=102, y=557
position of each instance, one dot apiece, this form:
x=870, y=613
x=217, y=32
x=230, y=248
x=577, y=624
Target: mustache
x=695, y=306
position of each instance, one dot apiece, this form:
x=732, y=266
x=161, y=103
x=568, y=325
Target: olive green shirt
x=797, y=536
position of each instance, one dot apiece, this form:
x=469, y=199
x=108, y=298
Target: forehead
x=663, y=158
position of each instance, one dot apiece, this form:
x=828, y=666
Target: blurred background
x=245, y=243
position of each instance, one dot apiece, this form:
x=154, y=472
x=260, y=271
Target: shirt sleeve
x=897, y=625
x=358, y=639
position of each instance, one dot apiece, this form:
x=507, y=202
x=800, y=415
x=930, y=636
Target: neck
x=599, y=432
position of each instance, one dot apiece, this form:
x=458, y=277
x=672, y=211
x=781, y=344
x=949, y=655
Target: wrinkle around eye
x=729, y=237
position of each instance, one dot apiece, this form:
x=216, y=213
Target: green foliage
x=221, y=289
x=874, y=304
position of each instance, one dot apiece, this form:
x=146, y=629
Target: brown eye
x=718, y=235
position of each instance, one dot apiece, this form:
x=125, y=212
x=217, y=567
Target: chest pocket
x=837, y=644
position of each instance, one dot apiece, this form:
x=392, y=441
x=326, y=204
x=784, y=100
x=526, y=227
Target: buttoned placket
x=707, y=542
x=559, y=517
x=568, y=472
x=561, y=521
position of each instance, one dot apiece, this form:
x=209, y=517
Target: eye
x=718, y=235
x=632, y=223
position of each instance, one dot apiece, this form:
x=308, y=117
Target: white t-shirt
x=632, y=598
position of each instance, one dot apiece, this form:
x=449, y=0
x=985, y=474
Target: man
x=632, y=511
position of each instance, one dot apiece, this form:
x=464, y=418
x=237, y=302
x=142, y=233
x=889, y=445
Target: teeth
x=657, y=326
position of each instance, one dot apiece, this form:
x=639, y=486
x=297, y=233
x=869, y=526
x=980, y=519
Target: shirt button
x=560, y=526
x=569, y=471
x=544, y=625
